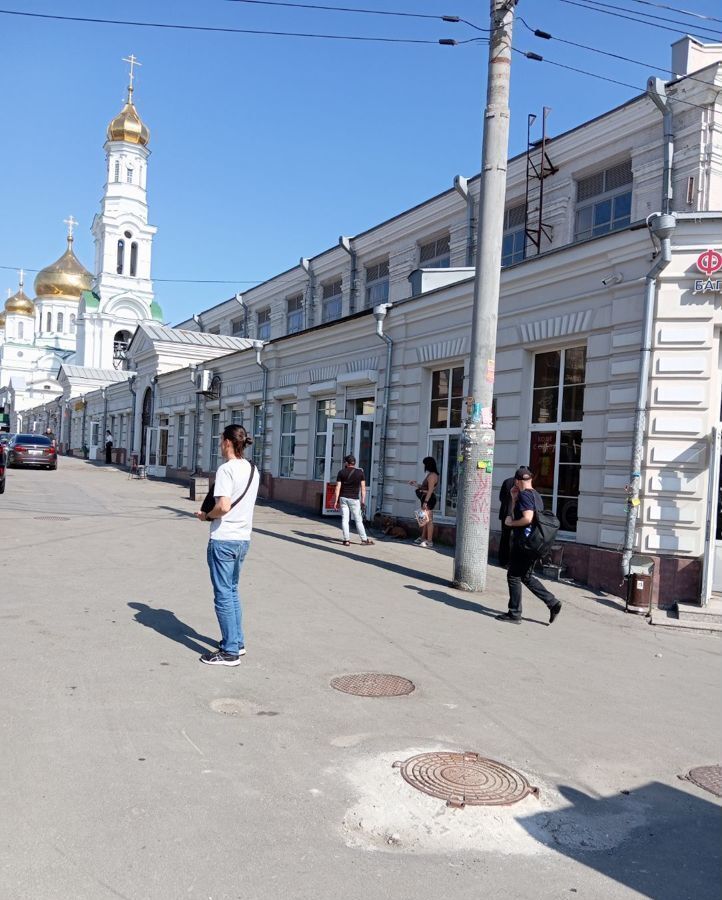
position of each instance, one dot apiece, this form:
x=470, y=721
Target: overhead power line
x=227, y=30
x=167, y=280
x=617, y=13
x=536, y=57
x=684, y=12
x=547, y=36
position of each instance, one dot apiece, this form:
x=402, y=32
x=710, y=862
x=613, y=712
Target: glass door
x=445, y=450
x=363, y=450
x=338, y=444
x=94, y=438
x=151, y=444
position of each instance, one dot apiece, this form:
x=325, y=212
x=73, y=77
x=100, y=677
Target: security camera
x=613, y=278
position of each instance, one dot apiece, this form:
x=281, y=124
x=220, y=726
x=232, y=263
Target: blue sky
x=267, y=149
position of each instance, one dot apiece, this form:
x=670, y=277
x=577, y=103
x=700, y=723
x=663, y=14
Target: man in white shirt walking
x=231, y=519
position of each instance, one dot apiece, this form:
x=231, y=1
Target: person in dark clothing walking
x=521, y=560
x=506, y=507
x=351, y=496
x=108, y=447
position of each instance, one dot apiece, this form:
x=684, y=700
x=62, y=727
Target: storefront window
x=288, y=439
x=447, y=399
x=555, y=449
x=257, y=433
x=325, y=410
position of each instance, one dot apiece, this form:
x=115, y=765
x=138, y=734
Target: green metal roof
x=156, y=312
x=91, y=299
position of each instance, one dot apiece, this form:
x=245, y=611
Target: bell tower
x=123, y=237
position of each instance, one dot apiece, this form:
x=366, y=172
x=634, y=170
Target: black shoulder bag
x=209, y=501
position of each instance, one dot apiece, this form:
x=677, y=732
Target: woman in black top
x=426, y=492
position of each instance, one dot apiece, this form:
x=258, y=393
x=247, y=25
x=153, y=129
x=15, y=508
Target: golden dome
x=66, y=277
x=2, y=321
x=20, y=304
x=127, y=125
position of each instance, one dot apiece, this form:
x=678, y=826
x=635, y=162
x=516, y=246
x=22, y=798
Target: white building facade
x=569, y=342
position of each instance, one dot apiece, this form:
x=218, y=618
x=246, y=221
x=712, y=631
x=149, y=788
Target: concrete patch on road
x=389, y=815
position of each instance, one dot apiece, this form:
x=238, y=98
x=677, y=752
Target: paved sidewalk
x=130, y=770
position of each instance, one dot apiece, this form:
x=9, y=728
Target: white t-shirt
x=231, y=480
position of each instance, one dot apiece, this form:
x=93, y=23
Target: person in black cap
x=521, y=560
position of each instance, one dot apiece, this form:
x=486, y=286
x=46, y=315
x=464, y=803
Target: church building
x=78, y=318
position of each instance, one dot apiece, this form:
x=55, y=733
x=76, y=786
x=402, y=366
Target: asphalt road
x=130, y=770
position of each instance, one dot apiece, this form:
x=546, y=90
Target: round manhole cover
x=465, y=778
x=709, y=778
x=371, y=684
x=53, y=518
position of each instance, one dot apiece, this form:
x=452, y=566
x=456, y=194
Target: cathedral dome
x=66, y=277
x=20, y=304
x=2, y=321
x=128, y=126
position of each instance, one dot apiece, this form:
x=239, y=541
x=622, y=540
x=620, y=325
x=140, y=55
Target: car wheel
x=2, y=486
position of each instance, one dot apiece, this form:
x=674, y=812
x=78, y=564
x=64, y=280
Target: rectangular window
x=331, y=299
x=447, y=398
x=377, y=283
x=556, y=438
x=181, y=448
x=263, y=324
x=117, y=171
x=604, y=201
x=213, y=457
x=514, y=240
x=129, y=175
x=325, y=410
x=294, y=314
x=215, y=330
x=238, y=328
x=257, y=428
x=288, y=439
x=435, y=254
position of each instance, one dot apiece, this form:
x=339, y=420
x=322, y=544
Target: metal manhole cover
x=465, y=778
x=53, y=518
x=371, y=684
x=709, y=778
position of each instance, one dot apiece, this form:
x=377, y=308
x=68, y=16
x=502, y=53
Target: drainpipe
x=197, y=320
x=380, y=314
x=661, y=227
x=131, y=388
x=308, y=310
x=244, y=307
x=462, y=186
x=194, y=446
x=82, y=434
x=258, y=347
x=345, y=243
x=658, y=94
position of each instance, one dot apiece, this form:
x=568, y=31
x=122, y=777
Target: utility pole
x=476, y=452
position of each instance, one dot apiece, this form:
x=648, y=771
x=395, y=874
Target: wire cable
x=536, y=57
x=684, y=12
x=650, y=15
x=547, y=36
x=618, y=15
x=167, y=280
x=356, y=9
x=224, y=30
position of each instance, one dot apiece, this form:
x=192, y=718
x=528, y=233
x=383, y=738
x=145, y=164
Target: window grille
x=294, y=314
x=263, y=324
x=331, y=296
x=435, y=254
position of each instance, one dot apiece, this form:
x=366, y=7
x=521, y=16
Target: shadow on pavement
x=360, y=556
x=169, y=625
x=659, y=841
x=180, y=513
x=467, y=605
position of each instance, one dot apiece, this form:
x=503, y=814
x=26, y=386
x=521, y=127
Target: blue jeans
x=225, y=559
x=349, y=508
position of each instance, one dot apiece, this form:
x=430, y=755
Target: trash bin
x=639, y=585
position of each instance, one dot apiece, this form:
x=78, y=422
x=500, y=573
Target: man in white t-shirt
x=231, y=519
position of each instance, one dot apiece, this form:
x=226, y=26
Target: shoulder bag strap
x=250, y=479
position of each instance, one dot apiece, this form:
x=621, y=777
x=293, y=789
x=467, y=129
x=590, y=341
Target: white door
x=94, y=438
x=338, y=445
x=363, y=450
x=157, y=442
x=151, y=446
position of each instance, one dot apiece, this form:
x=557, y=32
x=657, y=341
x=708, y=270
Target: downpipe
x=661, y=227
x=380, y=313
x=258, y=347
x=196, y=417
x=131, y=388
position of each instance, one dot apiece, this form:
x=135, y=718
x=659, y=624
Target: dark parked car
x=2, y=468
x=32, y=450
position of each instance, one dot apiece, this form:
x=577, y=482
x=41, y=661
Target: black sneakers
x=554, y=612
x=241, y=652
x=507, y=617
x=220, y=658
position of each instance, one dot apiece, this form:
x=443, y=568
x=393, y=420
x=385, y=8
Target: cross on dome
x=71, y=223
x=21, y=278
x=133, y=62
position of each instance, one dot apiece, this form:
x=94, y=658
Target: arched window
x=72, y=323
x=21, y=330
x=121, y=254
x=60, y=322
x=117, y=170
x=49, y=322
x=129, y=175
x=133, y=258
